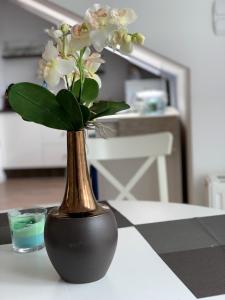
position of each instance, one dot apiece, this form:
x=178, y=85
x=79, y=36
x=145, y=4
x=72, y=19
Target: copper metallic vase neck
x=79, y=197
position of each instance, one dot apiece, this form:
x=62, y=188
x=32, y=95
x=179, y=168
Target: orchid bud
x=84, y=27
x=138, y=38
x=127, y=38
x=126, y=45
x=116, y=38
x=65, y=28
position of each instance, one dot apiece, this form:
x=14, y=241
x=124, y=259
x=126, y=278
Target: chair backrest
x=150, y=146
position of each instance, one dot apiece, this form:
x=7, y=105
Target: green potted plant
x=81, y=234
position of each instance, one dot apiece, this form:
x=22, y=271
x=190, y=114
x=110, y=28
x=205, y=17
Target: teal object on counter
x=27, y=229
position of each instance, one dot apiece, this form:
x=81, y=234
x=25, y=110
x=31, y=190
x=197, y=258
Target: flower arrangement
x=74, y=55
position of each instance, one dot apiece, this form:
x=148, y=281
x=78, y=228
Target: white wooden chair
x=150, y=146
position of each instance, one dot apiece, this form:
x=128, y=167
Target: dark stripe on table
x=201, y=270
x=120, y=219
x=194, y=249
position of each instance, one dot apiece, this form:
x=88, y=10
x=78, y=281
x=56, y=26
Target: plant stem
x=64, y=44
x=81, y=69
x=63, y=56
x=67, y=83
x=74, y=75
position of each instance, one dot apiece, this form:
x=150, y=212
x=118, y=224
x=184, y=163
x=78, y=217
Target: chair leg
x=162, y=179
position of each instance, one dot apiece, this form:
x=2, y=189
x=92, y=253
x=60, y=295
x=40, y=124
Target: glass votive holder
x=27, y=229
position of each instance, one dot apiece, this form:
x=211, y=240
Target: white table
x=137, y=271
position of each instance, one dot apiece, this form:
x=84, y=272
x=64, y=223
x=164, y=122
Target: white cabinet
x=53, y=147
x=29, y=145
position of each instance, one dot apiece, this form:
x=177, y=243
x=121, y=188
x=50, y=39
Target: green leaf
x=89, y=91
x=76, y=89
x=36, y=104
x=72, y=108
x=106, y=108
x=85, y=113
x=8, y=88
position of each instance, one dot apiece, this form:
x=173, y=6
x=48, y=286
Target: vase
x=81, y=234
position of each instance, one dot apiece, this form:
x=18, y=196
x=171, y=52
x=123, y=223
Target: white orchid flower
x=98, y=18
x=91, y=64
x=54, y=33
x=123, y=17
x=102, y=27
x=80, y=37
x=61, y=37
x=53, y=67
x=99, y=39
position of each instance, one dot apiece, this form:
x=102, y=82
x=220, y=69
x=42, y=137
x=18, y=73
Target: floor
x=27, y=192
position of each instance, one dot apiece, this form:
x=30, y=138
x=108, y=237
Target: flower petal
x=50, y=52
x=87, y=53
x=99, y=39
x=92, y=67
x=96, y=57
x=64, y=66
x=54, y=33
x=52, y=77
x=123, y=16
x=97, y=16
x=79, y=43
x=80, y=37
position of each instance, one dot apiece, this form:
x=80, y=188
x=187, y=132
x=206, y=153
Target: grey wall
x=19, y=27
x=115, y=72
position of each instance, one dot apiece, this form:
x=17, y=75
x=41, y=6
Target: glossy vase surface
x=80, y=235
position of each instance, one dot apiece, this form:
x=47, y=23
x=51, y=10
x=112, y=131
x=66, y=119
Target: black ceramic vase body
x=80, y=235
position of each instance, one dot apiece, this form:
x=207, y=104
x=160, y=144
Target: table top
x=165, y=252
